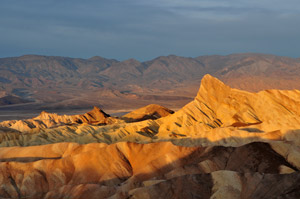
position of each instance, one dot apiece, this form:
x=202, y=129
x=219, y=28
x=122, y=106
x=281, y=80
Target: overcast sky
x=145, y=29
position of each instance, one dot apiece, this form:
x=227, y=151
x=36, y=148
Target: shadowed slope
x=54, y=171
x=9, y=99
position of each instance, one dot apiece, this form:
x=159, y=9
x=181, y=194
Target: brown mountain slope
x=84, y=82
x=9, y=99
x=218, y=113
x=226, y=143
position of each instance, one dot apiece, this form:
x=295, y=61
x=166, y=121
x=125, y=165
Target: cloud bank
x=145, y=29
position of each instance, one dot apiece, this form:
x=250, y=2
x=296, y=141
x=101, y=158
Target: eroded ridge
x=226, y=143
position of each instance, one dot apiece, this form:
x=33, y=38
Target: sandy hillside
x=226, y=143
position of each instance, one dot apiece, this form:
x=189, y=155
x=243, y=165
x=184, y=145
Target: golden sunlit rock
x=152, y=111
x=226, y=143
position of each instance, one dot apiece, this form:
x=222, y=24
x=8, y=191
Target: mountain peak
x=210, y=83
x=212, y=88
x=98, y=112
x=131, y=61
x=96, y=58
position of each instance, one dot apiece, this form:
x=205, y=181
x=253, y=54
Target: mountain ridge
x=29, y=76
x=225, y=143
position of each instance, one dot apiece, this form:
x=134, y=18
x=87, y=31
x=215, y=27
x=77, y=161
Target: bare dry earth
x=172, y=81
x=226, y=143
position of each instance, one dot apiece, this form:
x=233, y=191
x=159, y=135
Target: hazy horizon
x=153, y=57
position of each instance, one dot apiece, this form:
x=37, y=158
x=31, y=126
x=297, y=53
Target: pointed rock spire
x=212, y=88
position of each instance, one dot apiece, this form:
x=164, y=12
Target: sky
x=145, y=29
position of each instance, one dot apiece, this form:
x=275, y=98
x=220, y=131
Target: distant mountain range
x=50, y=82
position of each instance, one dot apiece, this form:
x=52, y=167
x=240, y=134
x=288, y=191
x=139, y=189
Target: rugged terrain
x=67, y=83
x=226, y=143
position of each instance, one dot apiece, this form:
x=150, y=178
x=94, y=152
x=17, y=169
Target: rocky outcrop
x=226, y=143
x=152, y=111
x=94, y=116
x=160, y=170
x=218, y=115
x=50, y=120
x=223, y=184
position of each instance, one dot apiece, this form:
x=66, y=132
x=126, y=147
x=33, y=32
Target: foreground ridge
x=226, y=143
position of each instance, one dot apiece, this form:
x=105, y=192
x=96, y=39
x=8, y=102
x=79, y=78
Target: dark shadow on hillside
x=252, y=130
x=27, y=159
x=185, y=177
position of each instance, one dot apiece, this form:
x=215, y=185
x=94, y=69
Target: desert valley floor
x=226, y=143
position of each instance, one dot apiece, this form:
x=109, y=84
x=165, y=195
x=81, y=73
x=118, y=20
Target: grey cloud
x=146, y=29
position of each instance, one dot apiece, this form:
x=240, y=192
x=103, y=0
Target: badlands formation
x=226, y=143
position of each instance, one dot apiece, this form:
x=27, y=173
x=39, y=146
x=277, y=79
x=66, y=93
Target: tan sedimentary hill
x=50, y=120
x=94, y=116
x=218, y=114
x=226, y=143
x=151, y=111
x=133, y=170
